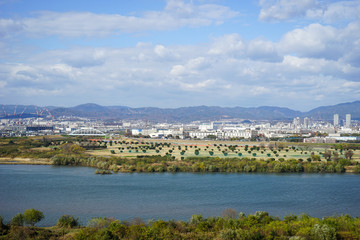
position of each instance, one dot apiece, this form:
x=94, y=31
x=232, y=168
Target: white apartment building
x=336, y=120
x=348, y=120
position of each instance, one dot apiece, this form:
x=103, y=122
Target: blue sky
x=288, y=53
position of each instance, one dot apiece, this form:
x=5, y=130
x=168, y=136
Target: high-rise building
x=336, y=120
x=348, y=120
x=296, y=122
x=306, y=122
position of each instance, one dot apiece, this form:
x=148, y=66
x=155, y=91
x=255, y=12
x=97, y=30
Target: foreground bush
x=259, y=225
x=67, y=221
x=33, y=216
x=17, y=220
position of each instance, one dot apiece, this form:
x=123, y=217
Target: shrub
x=229, y=213
x=99, y=222
x=228, y=234
x=17, y=220
x=195, y=219
x=32, y=216
x=1, y=223
x=323, y=232
x=67, y=221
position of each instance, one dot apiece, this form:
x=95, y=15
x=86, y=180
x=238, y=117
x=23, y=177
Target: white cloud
x=284, y=9
x=228, y=44
x=176, y=14
x=259, y=49
x=198, y=86
x=165, y=53
x=259, y=90
x=325, y=11
x=336, y=11
x=319, y=41
x=2, y=84
x=9, y=27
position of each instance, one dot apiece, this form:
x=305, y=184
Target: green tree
x=327, y=155
x=67, y=221
x=349, y=154
x=17, y=220
x=32, y=216
x=315, y=157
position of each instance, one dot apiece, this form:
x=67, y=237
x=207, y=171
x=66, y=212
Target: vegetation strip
x=231, y=225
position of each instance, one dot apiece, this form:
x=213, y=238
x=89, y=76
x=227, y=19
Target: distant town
x=341, y=129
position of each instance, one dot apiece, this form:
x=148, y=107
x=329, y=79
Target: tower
x=306, y=122
x=336, y=120
x=348, y=120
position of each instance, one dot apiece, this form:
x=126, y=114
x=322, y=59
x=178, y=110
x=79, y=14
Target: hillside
x=184, y=114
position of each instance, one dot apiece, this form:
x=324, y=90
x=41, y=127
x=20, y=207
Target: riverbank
x=25, y=161
x=231, y=225
x=149, y=164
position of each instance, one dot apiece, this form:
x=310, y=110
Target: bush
x=67, y=221
x=229, y=213
x=32, y=216
x=17, y=220
x=323, y=232
x=228, y=234
x=196, y=219
x=1, y=224
x=99, y=222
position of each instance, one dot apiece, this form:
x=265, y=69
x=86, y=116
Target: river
x=79, y=192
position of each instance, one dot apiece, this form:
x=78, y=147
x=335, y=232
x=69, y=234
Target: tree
x=315, y=157
x=17, y=220
x=32, y=216
x=327, y=155
x=67, y=221
x=349, y=154
x=70, y=148
x=229, y=213
x=335, y=156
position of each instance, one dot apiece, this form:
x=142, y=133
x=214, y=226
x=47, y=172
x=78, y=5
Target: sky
x=299, y=54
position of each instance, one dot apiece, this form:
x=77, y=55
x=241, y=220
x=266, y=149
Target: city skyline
x=295, y=54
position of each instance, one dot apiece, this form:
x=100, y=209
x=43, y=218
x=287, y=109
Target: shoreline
x=46, y=161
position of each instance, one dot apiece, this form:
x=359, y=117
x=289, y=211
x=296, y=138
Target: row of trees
x=168, y=163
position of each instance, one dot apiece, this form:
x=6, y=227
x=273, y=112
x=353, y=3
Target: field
x=222, y=149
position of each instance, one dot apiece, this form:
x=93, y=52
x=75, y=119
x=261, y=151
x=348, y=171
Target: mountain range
x=183, y=114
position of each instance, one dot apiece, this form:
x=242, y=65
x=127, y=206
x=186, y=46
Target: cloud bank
x=315, y=64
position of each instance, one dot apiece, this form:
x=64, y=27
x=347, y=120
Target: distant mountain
x=327, y=113
x=182, y=114
x=185, y=114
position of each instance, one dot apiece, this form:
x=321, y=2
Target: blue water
x=79, y=192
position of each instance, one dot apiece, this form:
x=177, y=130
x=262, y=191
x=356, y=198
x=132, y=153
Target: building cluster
x=305, y=129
